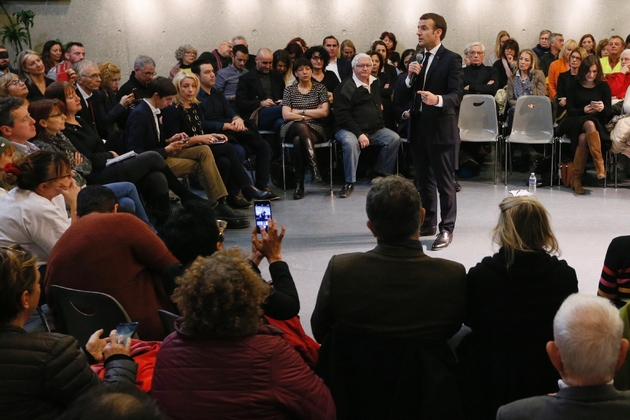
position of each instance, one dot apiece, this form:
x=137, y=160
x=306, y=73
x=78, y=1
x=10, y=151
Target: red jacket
x=619, y=83
x=254, y=377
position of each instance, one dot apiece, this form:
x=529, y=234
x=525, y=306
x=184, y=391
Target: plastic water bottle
x=532, y=183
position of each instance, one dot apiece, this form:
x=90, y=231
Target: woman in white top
x=33, y=215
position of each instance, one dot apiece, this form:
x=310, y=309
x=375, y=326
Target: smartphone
x=278, y=102
x=219, y=141
x=594, y=102
x=126, y=329
x=262, y=212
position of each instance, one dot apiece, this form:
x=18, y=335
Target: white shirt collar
x=83, y=93
x=435, y=49
x=156, y=111
x=360, y=83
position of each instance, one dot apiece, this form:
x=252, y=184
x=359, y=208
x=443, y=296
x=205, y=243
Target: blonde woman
x=512, y=298
x=31, y=69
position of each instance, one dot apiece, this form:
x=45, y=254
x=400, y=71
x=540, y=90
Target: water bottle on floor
x=532, y=183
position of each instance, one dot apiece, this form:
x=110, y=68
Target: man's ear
x=369, y=225
x=554, y=356
x=24, y=299
x=623, y=351
x=6, y=130
x=219, y=246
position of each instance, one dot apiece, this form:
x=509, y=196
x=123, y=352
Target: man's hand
x=428, y=98
x=238, y=124
x=467, y=87
x=363, y=141
x=127, y=100
x=116, y=346
x=175, y=146
x=267, y=103
x=78, y=158
x=96, y=345
x=177, y=137
x=413, y=68
x=271, y=243
x=491, y=82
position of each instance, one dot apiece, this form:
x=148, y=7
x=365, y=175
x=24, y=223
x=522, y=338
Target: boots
x=579, y=161
x=595, y=146
x=299, y=180
x=312, y=160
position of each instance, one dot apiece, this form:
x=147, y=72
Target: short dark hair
x=295, y=49
x=162, y=86
x=69, y=46
x=393, y=206
x=191, y=233
x=322, y=53
x=438, y=23
x=589, y=61
x=195, y=67
x=511, y=44
x=240, y=48
x=330, y=37
x=281, y=55
x=95, y=199
x=7, y=106
x=302, y=62
x=381, y=59
x=391, y=37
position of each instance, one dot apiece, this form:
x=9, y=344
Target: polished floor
x=322, y=225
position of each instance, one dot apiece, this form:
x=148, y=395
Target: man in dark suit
x=587, y=350
x=394, y=293
x=341, y=67
x=435, y=89
x=262, y=90
x=144, y=131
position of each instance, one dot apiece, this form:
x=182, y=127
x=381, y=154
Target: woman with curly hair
x=223, y=360
x=512, y=298
x=185, y=55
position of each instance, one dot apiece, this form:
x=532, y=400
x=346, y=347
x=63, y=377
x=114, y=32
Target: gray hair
x=588, y=331
x=473, y=44
x=143, y=60
x=553, y=36
x=359, y=56
x=241, y=37
x=183, y=49
x=625, y=53
x=81, y=66
x=394, y=208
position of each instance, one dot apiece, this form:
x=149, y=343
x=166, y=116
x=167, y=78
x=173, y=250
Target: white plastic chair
x=478, y=122
x=533, y=124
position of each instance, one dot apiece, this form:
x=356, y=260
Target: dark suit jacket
x=344, y=67
x=576, y=403
x=249, y=92
x=437, y=125
x=140, y=132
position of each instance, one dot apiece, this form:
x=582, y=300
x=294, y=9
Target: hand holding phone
x=262, y=212
x=270, y=244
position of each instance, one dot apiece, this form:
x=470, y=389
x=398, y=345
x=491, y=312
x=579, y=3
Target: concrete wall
x=119, y=30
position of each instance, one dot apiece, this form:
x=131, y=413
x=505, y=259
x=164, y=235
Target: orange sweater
x=557, y=67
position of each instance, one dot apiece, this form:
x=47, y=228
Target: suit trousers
x=199, y=160
x=434, y=165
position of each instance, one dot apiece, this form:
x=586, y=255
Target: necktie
x=425, y=66
x=90, y=105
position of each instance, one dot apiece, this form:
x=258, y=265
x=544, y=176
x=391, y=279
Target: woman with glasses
x=185, y=55
x=566, y=79
x=42, y=373
x=507, y=62
x=31, y=69
x=304, y=109
x=12, y=85
x=559, y=66
x=319, y=59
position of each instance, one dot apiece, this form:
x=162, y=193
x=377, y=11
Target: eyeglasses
x=56, y=115
x=316, y=58
x=363, y=66
x=68, y=176
x=115, y=80
x=149, y=73
x=573, y=57
x=94, y=76
x=17, y=82
x=476, y=53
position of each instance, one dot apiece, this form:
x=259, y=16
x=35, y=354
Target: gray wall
x=119, y=30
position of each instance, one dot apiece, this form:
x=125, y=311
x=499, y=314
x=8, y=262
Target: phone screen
x=126, y=329
x=262, y=211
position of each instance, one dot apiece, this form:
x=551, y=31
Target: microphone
x=419, y=60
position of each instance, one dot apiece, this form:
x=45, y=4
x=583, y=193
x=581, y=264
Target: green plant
x=17, y=31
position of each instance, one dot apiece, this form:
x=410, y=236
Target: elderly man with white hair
x=587, y=350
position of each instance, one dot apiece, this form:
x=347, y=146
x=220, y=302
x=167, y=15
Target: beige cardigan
x=540, y=87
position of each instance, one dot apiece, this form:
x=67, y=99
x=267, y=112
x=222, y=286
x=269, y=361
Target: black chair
x=168, y=321
x=81, y=313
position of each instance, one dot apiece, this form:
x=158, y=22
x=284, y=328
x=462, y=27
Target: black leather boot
x=312, y=160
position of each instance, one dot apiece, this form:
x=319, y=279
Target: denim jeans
x=386, y=162
x=127, y=196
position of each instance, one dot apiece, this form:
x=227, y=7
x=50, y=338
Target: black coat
x=250, y=93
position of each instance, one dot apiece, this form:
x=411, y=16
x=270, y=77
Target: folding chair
x=329, y=144
x=478, y=122
x=533, y=124
x=81, y=313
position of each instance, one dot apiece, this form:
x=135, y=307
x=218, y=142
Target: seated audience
x=282, y=66
x=33, y=215
x=62, y=72
x=127, y=261
x=260, y=91
x=51, y=55
x=187, y=116
x=479, y=78
x=386, y=84
x=543, y=43
x=602, y=48
x=319, y=60
x=392, y=57
x=295, y=51
x=300, y=41
x=185, y=55
x=566, y=80
x=615, y=278
x=227, y=78
x=219, y=57
x=559, y=66
x=251, y=58
x=218, y=117
x=619, y=81
x=341, y=67
x=556, y=42
x=495, y=54
x=383, y=322
x=145, y=132
x=507, y=63
x=587, y=349
x=110, y=109
x=4, y=61
x=12, y=85
x=138, y=84
x=31, y=69
x=16, y=125
x=588, y=111
x=347, y=49
x=194, y=233
x=588, y=43
x=220, y=299
x=512, y=298
x=7, y=153
x=304, y=109
x=408, y=54
x=42, y=373
x=612, y=62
